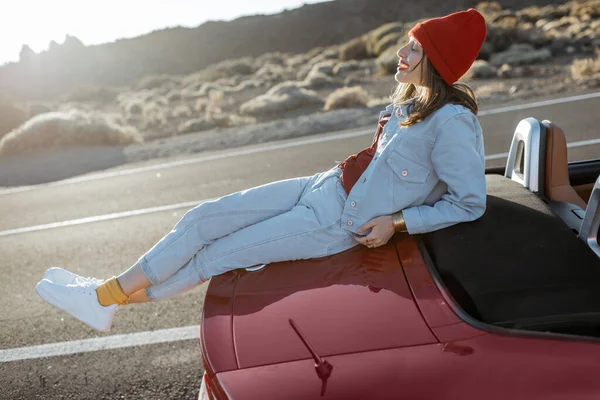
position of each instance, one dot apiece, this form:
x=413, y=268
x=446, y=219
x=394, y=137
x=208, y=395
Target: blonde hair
x=432, y=95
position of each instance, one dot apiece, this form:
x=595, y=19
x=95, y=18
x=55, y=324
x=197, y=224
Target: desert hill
x=185, y=50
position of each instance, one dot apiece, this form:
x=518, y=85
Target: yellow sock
x=110, y=292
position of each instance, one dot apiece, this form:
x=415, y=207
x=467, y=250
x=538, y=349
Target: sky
x=37, y=22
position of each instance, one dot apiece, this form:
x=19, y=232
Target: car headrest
x=591, y=221
x=526, y=161
x=557, y=184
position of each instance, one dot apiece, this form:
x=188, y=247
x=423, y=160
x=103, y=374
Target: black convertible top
x=518, y=262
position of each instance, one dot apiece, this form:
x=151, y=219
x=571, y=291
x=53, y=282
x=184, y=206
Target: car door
x=474, y=360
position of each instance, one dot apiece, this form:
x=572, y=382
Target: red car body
x=387, y=328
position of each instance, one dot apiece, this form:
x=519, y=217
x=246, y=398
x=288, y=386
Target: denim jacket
x=433, y=171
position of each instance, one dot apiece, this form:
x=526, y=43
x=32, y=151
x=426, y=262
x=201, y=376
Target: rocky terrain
x=183, y=51
x=529, y=52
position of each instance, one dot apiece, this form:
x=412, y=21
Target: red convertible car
x=505, y=307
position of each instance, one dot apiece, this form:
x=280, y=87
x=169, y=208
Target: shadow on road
x=54, y=165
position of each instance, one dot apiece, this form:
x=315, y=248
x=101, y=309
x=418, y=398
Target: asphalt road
x=105, y=247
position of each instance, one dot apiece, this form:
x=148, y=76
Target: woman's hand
x=382, y=230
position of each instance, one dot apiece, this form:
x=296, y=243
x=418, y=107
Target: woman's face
x=409, y=63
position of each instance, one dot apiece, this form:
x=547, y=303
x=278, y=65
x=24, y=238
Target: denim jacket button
x=363, y=179
x=353, y=204
x=404, y=173
x=350, y=223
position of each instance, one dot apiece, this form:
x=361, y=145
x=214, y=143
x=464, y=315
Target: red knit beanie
x=452, y=43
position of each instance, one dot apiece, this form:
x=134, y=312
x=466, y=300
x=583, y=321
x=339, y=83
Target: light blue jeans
x=286, y=220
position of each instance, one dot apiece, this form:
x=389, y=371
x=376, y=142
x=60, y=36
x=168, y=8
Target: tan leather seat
x=557, y=185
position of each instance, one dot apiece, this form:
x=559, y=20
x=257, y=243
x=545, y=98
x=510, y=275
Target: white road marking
x=496, y=156
x=100, y=343
x=570, y=145
x=584, y=143
x=243, y=152
x=536, y=104
x=104, y=217
x=188, y=204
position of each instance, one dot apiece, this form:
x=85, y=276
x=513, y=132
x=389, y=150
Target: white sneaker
x=64, y=277
x=78, y=299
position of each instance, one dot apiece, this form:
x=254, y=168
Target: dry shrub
x=549, y=12
x=93, y=94
x=587, y=10
x=586, y=68
x=213, y=121
x=276, y=58
x=209, y=87
x=373, y=37
x=238, y=120
x=144, y=109
x=190, y=95
x=355, y=49
x=480, y=69
x=387, y=61
x=192, y=82
x=195, y=125
x=157, y=81
x=520, y=54
x=134, y=107
x=200, y=105
x=216, y=100
x=11, y=115
x=297, y=60
x=389, y=40
x=229, y=82
x=270, y=73
x=240, y=66
x=493, y=89
x=153, y=115
x=330, y=53
x=344, y=67
x=245, y=85
x=67, y=129
x=347, y=97
x=315, y=51
x=503, y=32
x=507, y=71
x=323, y=67
x=181, y=111
x=160, y=100
x=283, y=97
x=132, y=103
x=208, y=74
x=174, y=95
x=316, y=80
x=488, y=7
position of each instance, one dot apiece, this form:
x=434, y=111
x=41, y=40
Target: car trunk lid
x=355, y=301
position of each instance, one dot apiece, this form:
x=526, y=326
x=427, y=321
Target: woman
x=424, y=171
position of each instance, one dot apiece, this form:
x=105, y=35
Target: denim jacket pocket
x=407, y=170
